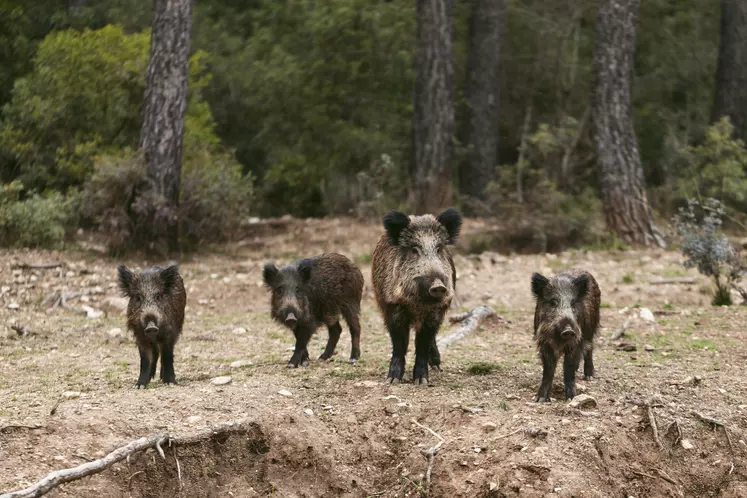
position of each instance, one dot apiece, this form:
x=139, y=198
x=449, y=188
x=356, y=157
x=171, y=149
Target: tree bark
x=162, y=133
x=481, y=134
x=626, y=207
x=433, y=117
x=731, y=72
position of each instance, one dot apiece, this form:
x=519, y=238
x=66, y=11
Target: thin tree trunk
x=626, y=207
x=481, y=131
x=433, y=118
x=162, y=133
x=731, y=72
x=522, y=153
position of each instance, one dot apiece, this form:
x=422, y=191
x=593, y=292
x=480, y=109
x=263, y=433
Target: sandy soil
x=341, y=432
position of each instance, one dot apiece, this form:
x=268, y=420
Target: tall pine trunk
x=433, y=118
x=626, y=207
x=480, y=136
x=731, y=72
x=162, y=133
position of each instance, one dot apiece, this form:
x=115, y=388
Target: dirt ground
x=67, y=396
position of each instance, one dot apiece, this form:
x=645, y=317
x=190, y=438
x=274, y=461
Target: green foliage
x=708, y=249
x=483, y=368
x=36, y=221
x=83, y=98
x=329, y=85
x=717, y=168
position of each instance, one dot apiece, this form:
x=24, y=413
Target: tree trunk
x=626, y=207
x=481, y=134
x=162, y=134
x=433, y=117
x=731, y=73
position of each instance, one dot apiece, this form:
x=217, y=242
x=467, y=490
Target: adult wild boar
x=414, y=281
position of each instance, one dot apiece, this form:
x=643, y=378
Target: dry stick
x=12, y=426
x=469, y=324
x=652, y=422
x=429, y=454
x=25, y=266
x=621, y=331
x=509, y=434
x=54, y=479
x=674, y=280
x=715, y=423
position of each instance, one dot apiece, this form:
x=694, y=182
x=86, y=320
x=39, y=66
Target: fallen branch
x=10, y=427
x=716, y=424
x=469, y=323
x=429, y=454
x=676, y=425
x=503, y=436
x=674, y=280
x=26, y=266
x=58, y=477
x=621, y=331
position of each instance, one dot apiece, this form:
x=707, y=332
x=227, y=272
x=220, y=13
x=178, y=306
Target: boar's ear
x=125, y=280
x=168, y=276
x=394, y=223
x=269, y=273
x=451, y=219
x=304, y=269
x=581, y=284
x=539, y=282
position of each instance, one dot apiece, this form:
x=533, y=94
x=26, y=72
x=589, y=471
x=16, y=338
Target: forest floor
x=67, y=396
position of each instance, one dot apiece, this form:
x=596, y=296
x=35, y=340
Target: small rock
x=308, y=411
x=489, y=426
x=239, y=330
x=13, y=306
x=194, y=419
x=115, y=333
x=285, y=393
x=626, y=346
x=686, y=444
x=565, y=421
x=241, y=364
x=213, y=276
x=71, y=394
x=649, y=347
x=90, y=312
x=492, y=486
x=583, y=401
x=222, y=381
x=646, y=315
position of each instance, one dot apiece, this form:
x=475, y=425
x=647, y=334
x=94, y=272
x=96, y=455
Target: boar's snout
x=567, y=332
x=151, y=325
x=437, y=289
x=291, y=320
x=566, y=329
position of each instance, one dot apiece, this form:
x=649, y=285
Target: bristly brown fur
x=155, y=295
x=409, y=259
x=317, y=291
x=567, y=301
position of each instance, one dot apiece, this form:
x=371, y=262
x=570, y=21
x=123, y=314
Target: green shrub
x=36, y=221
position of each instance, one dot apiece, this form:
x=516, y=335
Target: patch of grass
x=721, y=297
x=668, y=307
x=363, y=259
x=703, y=344
x=605, y=305
x=503, y=405
x=347, y=374
x=672, y=272
x=628, y=278
x=483, y=368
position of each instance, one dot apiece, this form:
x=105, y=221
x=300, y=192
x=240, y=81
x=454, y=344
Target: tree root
x=63, y=476
x=429, y=454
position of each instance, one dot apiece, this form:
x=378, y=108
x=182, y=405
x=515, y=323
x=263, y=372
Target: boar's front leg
x=434, y=356
x=335, y=331
x=570, y=365
x=300, y=354
x=425, y=340
x=146, y=358
x=398, y=322
x=167, y=364
x=549, y=362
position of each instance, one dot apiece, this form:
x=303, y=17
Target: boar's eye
x=414, y=251
x=440, y=249
x=554, y=301
x=160, y=296
x=136, y=300
x=280, y=288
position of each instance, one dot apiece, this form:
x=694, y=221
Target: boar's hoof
x=292, y=365
x=305, y=363
x=436, y=368
x=324, y=357
x=353, y=361
x=140, y=386
x=391, y=380
x=540, y=399
x=171, y=384
x=422, y=381
x=588, y=377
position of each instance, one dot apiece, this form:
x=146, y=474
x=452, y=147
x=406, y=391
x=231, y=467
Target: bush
x=708, y=249
x=215, y=200
x=36, y=221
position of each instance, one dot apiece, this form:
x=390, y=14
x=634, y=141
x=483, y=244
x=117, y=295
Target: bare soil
x=67, y=396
